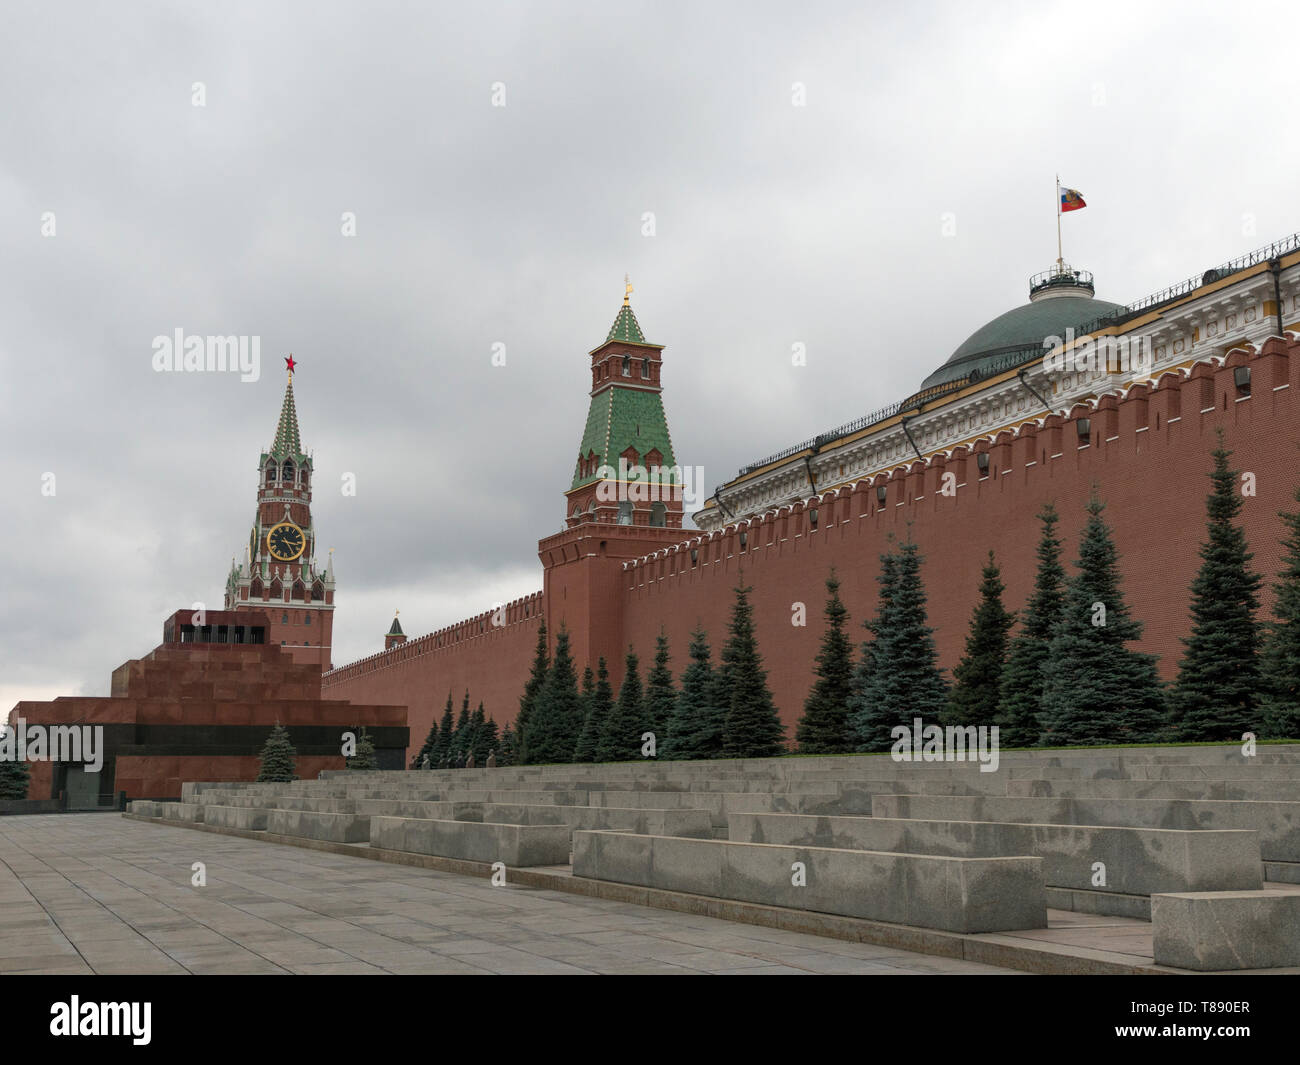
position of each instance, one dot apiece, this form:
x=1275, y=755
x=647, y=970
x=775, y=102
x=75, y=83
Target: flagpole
x=1060, y=256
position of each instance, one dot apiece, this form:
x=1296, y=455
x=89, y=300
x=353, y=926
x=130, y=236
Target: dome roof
x=1057, y=302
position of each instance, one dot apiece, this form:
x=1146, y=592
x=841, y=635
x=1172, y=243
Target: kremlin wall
x=1142, y=437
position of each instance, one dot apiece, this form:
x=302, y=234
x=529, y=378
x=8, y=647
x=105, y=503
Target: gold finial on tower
x=627, y=289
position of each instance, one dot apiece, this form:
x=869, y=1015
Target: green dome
x=1050, y=313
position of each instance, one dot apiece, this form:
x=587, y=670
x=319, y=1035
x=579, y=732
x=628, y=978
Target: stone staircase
x=1201, y=842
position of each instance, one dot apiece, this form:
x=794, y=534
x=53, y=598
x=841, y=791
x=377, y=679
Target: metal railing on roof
x=1021, y=356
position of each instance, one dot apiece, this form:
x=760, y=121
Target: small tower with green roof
x=626, y=472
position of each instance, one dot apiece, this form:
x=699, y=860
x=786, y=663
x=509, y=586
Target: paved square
x=96, y=893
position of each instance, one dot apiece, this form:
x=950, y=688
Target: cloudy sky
x=800, y=163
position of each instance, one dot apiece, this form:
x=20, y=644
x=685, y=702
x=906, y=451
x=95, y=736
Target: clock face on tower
x=285, y=541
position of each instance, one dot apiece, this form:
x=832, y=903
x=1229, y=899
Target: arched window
x=284, y=620
x=625, y=513
x=645, y=369
x=256, y=588
x=270, y=473
x=306, y=617
x=286, y=472
x=299, y=589
x=627, y=366
x=303, y=476
x=658, y=515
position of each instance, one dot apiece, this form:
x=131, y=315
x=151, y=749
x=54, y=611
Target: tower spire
x=287, y=440
x=626, y=328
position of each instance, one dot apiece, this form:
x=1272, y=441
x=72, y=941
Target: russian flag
x=1071, y=200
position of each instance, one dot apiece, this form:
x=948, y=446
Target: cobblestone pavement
x=96, y=893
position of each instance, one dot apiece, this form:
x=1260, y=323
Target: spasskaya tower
x=279, y=573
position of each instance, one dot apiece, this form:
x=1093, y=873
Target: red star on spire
x=290, y=363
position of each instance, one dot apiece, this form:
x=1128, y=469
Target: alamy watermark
x=1122, y=354
x=179, y=353
x=82, y=744
x=955, y=743
x=634, y=483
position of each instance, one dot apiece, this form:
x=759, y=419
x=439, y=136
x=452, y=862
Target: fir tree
x=660, y=692
x=462, y=737
x=620, y=738
x=1097, y=690
x=898, y=678
x=430, y=745
x=824, y=726
x=480, y=742
x=15, y=778
x=695, y=728
x=870, y=731
x=277, y=758
x=1022, y=679
x=587, y=693
x=977, y=679
x=541, y=663
x=489, y=739
x=509, y=751
x=1216, y=694
x=599, y=707
x=364, y=758
x=1281, y=658
x=446, y=731
x=752, y=727
x=556, y=718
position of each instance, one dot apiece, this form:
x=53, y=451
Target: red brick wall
x=492, y=661
x=1154, y=483
x=1150, y=471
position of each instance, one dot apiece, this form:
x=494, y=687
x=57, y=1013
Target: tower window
x=658, y=515
x=627, y=366
x=286, y=473
x=645, y=369
x=270, y=473
x=284, y=620
x=625, y=513
x=306, y=617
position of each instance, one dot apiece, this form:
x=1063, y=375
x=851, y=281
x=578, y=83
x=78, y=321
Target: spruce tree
x=364, y=758
x=1022, y=679
x=752, y=727
x=15, y=778
x=1216, y=694
x=556, y=718
x=446, y=730
x=599, y=707
x=426, y=751
x=1280, y=709
x=620, y=738
x=1096, y=689
x=489, y=739
x=977, y=679
x=509, y=751
x=536, y=678
x=277, y=758
x=587, y=692
x=869, y=730
x=695, y=728
x=480, y=742
x=824, y=726
x=462, y=737
x=660, y=692
x=899, y=678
